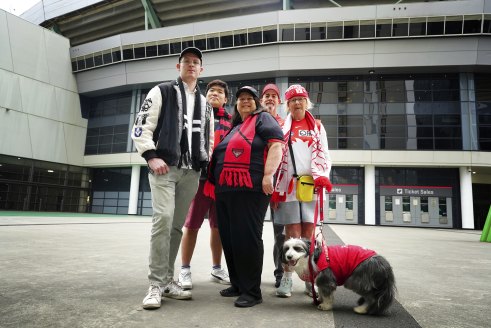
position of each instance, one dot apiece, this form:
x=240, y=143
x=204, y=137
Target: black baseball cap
x=247, y=89
x=192, y=50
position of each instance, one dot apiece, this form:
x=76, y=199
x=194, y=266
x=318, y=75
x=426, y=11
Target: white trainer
x=220, y=276
x=153, y=298
x=175, y=291
x=185, y=279
x=286, y=287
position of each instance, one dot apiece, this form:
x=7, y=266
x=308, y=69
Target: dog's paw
x=362, y=309
x=325, y=306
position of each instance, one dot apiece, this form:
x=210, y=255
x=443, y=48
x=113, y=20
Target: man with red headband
x=270, y=100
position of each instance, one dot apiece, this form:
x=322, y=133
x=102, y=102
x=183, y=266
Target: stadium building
x=402, y=87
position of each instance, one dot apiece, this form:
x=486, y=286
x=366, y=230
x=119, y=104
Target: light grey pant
x=171, y=196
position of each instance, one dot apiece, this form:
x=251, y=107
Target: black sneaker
x=229, y=292
x=278, y=281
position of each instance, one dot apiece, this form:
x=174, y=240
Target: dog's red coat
x=341, y=259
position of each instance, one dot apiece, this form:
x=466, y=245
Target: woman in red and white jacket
x=307, y=139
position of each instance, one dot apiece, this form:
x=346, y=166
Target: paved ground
x=90, y=271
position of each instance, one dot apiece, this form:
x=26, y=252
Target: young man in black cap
x=176, y=146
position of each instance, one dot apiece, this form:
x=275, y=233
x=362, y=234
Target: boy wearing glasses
x=174, y=133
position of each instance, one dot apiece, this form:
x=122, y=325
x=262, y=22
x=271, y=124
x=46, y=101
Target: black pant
x=279, y=239
x=240, y=218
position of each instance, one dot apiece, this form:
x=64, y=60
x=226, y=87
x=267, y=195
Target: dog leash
x=319, y=212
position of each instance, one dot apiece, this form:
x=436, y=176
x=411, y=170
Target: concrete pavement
x=90, y=271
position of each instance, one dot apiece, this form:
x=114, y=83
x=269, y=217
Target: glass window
x=472, y=24
x=74, y=65
x=108, y=123
x=80, y=63
x=334, y=30
x=255, y=35
x=212, y=41
x=287, y=32
x=270, y=34
x=417, y=26
x=200, y=41
x=367, y=29
x=487, y=24
x=351, y=29
x=383, y=28
x=98, y=59
x=151, y=49
x=318, y=31
x=116, y=54
x=302, y=32
x=175, y=46
x=226, y=40
x=89, y=61
x=107, y=57
x=128, y=52
x=187, y=42
x=435, y=25
x=453, y=24
x=163, y=48
x=400, y=27
x=240, y=38
x=139, y=50
x=388, y=203
x=441, y=144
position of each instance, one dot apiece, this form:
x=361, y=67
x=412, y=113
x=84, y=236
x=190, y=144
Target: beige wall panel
x=68, y=105
x=425, y=52
x=10, y=96
x=108, y=160
x=312, y=61
x=47, y=139
x=75, y=144
x=420, y=158
x=137, y=159
x=28, y=49
x=484, y=57
x=15, y=140
x=59, y=64
x=38, y=98
x=351, y=157
x=101, y=78
x=154, y=71
x=5, y=54
x=481, y=158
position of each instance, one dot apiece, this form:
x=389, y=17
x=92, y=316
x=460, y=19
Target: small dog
x=358, y=269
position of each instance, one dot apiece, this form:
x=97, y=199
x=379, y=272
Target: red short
x=200, y=205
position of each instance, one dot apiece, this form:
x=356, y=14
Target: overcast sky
x=17, y=7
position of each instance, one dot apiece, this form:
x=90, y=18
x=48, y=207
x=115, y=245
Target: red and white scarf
x=319, y=163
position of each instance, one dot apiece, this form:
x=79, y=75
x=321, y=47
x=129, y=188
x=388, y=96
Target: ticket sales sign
x=431, y=191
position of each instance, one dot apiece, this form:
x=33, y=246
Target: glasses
x=191, y=62
x=297, y=100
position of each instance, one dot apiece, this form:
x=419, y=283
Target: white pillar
x=466, y=199
x=134, y=186
x=369, y=195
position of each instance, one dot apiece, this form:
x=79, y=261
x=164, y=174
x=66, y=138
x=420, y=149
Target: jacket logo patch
x=147, y=103
x=237, y=152
x=138, y=132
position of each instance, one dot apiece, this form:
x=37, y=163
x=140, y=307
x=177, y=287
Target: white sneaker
x=153, y=298
x=175, y=291
x=220, y=276
x=286, y=286
x=185, y=279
